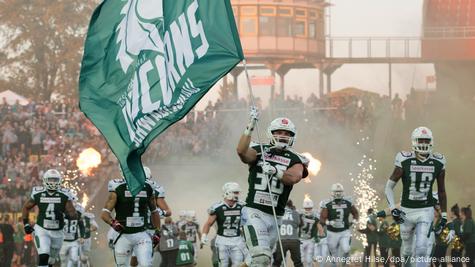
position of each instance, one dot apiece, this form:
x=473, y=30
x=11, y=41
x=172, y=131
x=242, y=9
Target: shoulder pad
x=323, y=203
x=79, y=209
x=305, y=161
x=441, y=158
x=37, y=189
x=114, y=183
x=349, y=199
x=438, y=156
x=67, y=192
x=214, y=207
x=160, y=191
x=89, y=215
x=402, y=156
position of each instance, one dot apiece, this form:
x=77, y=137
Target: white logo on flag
x=135, y=34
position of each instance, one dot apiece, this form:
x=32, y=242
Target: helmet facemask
x=281, y=133
x=337, y=194
x=280, y=140
x=422, y=145
x=52, y=180
x=422, y=140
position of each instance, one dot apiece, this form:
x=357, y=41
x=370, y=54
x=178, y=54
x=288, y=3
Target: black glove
x=443, y=222
x=398, y=215
x=28, y=229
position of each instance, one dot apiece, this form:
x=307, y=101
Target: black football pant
x=288, y=245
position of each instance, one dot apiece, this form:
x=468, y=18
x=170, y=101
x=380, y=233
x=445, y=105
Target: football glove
x=117, y=226
x=156, y=238
x=28, y=229
x=398, y=215
x=253, y=118
x=268, y=169
x=441, y=226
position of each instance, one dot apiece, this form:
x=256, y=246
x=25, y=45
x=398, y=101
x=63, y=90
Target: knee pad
x=260, y=256
x=43, y=259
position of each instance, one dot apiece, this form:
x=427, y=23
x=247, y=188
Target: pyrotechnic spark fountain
x=88, y=159
x=314, y=166
x=85, y=199
x=366, y=196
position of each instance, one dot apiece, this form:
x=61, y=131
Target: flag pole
x=253, y=103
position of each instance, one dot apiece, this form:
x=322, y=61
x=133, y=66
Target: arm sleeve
x=389, y=191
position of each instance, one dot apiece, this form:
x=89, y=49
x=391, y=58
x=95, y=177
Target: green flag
x=146, y=63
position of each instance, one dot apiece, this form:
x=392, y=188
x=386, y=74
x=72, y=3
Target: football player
x=281, y=169
x=335, y=214
x=192, y=229
x=130, y=222
x=418, y=169
x=90, y=226
x=181, y=219
x=321, y=244
x=73, y=237
x=227, y=215
x=308, y=232
x=289, y=233
x=53, y=202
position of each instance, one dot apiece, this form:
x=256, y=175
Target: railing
x=373, y=47
x=449, y=32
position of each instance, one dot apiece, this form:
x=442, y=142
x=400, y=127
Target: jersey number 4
x=50, y=214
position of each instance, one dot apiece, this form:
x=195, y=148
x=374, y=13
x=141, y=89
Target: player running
x=308, y=232
x=130, y=222
x=227, y=215
x=73, y=237
x=282, y=169
x=335, y=214
x=418, y=169
x=52, y=202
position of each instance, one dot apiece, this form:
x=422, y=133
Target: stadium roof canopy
x=11, y=98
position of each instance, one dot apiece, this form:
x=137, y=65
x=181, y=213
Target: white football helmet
x=182, y=214
x=52, y=179
x=337, y=191
x=191, y=215
x=418, y=136
x=307, y=206
x=231, y=191
x=148, y=173
x=281, y=141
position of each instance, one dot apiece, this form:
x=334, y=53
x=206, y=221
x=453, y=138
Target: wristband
x=279, y=174
x=106, y=210
x=444, y=215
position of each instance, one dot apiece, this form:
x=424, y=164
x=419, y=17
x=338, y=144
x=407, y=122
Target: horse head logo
x=139, y=30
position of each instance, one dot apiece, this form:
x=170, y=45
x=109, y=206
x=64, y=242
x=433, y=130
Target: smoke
x=195, y=182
